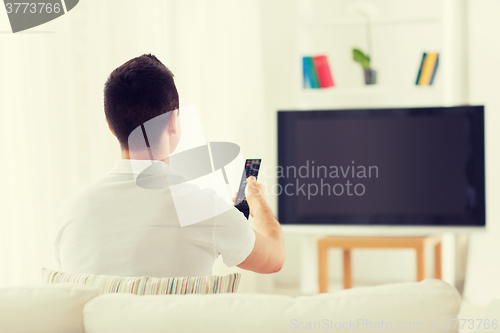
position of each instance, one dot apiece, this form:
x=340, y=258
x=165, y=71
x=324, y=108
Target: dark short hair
x=137, y=91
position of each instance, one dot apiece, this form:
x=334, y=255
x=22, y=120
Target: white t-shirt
x=115, y=227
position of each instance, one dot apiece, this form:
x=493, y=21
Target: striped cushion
x=149, y=285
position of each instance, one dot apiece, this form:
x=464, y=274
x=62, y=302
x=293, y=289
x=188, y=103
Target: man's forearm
x=268, y=254
x=265, y=222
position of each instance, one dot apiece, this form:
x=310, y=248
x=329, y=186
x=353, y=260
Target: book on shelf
x=323, y=71
x=428, y=68
x=310, y=75
x=316, y=72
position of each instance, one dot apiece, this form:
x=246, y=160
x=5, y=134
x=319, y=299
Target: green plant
x=363, y=59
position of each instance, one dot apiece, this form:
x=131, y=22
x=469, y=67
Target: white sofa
x=71, y=308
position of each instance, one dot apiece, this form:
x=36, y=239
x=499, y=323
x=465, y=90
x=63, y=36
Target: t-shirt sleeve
x=234, y=238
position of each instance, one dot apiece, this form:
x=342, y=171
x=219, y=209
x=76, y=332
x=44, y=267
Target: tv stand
x=347, y=243
x=454, y=248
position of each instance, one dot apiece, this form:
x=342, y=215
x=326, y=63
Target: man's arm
x=268, y=254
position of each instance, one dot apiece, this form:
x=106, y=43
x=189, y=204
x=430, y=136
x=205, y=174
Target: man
x=115, y=227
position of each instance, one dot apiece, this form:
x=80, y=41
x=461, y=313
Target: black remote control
x=251, y=169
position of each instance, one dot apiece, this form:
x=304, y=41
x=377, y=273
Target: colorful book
x=306, y=73
x=323, y=71
x=428, y=69
x=435, y=70
x=310, y=75
x=420, y=68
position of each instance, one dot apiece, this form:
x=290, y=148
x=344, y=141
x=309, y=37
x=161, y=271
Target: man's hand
x=268, y=254
x=255, y=194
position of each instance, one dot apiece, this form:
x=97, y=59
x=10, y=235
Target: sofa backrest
x=44, y=308
x=489, y=321
x=408, y=307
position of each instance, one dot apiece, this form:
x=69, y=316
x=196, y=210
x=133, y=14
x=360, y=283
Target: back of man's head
x=137, y=91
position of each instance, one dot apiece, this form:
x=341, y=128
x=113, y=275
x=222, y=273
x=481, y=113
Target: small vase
x=370, y=76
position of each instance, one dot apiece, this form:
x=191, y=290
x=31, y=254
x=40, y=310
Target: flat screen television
x=389, y=167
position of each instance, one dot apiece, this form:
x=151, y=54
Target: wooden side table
x=348, y=243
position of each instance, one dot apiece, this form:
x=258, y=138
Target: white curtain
x=53, y=132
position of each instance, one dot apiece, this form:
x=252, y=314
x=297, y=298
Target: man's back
x=115, y=227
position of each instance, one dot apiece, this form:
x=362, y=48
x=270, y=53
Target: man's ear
x=107, y=122
x=172, y=123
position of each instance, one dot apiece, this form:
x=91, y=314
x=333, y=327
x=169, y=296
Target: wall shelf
x=369, y=89
x=372, y=97
x=400, y=34
x=348, y=23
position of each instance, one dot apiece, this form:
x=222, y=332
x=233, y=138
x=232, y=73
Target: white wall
x=484, y=47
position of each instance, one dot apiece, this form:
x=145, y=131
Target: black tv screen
x=415, y=166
